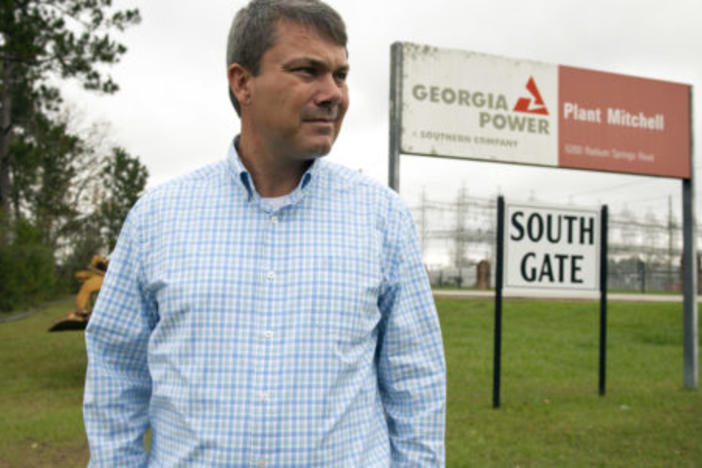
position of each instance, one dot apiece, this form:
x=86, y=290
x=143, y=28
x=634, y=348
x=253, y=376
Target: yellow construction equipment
x=86, y=297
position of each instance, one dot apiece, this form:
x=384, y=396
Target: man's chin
x=314, y=155
x=319, y=150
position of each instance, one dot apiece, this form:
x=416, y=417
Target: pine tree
x=124, y=179
x=41, y=40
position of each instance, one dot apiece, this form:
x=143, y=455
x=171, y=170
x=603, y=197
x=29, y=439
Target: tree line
x=63, y=193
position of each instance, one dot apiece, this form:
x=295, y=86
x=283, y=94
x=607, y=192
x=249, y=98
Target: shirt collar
x=242, y=176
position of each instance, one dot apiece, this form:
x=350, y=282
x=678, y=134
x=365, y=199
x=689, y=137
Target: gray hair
x=253, y=30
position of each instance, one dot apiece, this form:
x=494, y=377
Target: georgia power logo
x=524, y=104
x=494, y=111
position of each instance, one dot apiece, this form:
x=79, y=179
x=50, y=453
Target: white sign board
x=551, y=249
x=458, y=103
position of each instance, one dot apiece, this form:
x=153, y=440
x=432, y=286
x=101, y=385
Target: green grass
x=551, y=414
x=41, y=382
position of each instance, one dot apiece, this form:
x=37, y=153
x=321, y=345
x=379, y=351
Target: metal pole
x=670, y=280
x=690, y=340
x=395, y=115
x=497, y=353
x=603, y=299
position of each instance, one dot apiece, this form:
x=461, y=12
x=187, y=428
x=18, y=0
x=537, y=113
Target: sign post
x=690, y=339
x=497, y=352
x=604, y=222
x=395, y=116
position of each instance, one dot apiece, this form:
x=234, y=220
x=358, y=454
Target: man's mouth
x=330, y=121
x=330, y=116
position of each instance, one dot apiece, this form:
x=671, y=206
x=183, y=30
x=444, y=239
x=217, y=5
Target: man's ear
x=240, y=83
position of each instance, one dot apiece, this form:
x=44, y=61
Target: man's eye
x=341, y=76
x=306, y=71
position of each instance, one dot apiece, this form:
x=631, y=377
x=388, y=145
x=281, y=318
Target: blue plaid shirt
x=244, y=335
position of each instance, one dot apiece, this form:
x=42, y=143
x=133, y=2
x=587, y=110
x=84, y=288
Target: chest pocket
x=346, y=297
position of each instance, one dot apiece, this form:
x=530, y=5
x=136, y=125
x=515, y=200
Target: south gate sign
x=470, y=105
x=551, y=248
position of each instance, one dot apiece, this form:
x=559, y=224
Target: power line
x=612, y=187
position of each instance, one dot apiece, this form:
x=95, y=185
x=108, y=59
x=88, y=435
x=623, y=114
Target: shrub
x=26, y=269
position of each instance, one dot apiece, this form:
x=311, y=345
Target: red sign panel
x=618, y=123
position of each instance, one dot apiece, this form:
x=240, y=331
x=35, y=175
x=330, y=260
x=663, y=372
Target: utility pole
x=459, y=235
x=460, y=232
x=423, y=221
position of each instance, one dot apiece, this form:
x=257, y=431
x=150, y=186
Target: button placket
x=262, y=379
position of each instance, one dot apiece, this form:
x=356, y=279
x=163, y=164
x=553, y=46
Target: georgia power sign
x=470, y=105
x=550, y=247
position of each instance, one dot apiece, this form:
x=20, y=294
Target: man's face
x=299, y=98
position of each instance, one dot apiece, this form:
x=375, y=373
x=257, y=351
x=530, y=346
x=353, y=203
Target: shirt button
x=270, y=276
x=261, y=463
x=274, y=219
x=268, y=334
x=264, y=396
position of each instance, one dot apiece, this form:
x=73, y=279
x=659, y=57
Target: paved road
x=613, y=297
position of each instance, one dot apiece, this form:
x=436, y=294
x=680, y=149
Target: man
x=271, y=309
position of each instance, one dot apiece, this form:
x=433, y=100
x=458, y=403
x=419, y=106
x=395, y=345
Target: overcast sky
x=173, y=110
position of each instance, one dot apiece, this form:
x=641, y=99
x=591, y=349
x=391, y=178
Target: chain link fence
x=458, y=237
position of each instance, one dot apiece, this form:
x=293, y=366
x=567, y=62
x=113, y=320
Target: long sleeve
x=411, y=368
x=118, y=385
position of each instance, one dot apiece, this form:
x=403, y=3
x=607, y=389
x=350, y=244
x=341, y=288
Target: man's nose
x=331, y=90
